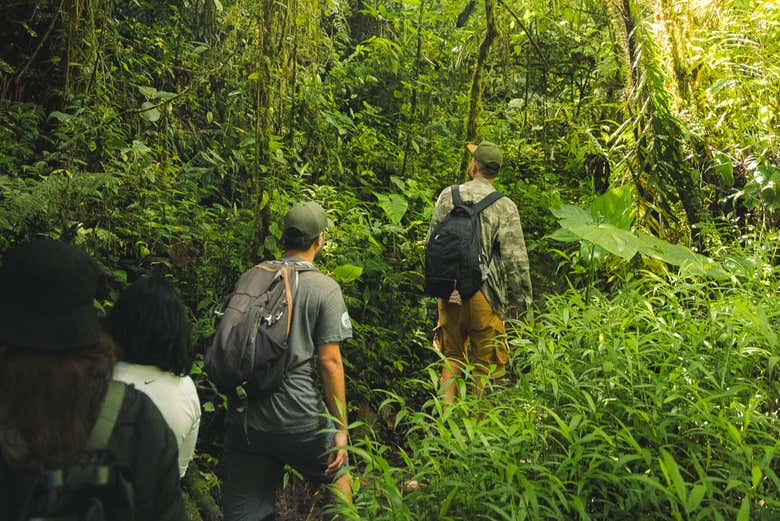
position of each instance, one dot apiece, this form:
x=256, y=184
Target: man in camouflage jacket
x=473, y=330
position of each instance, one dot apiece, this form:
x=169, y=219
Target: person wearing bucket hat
x=472, y=329
x=59, y=408
x=289, y=426
x=52, y=283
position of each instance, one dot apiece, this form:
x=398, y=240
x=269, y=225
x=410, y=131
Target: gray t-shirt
x=319, y=317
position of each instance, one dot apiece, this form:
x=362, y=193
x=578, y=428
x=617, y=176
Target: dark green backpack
x=453, y=263
x=91, y=489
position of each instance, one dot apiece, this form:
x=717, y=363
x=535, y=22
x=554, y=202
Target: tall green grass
x=659, y=401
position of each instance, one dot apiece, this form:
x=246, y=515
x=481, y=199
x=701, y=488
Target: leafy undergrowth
x=658, y=402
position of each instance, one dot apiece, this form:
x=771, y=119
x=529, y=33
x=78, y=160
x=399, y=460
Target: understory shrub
x=659, y=401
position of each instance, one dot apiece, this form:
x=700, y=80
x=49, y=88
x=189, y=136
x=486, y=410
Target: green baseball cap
x=488, y=155
x=306, y=220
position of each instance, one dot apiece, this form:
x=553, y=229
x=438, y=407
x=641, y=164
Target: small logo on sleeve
x=345, y=322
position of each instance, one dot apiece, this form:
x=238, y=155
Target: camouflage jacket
x=508, y=284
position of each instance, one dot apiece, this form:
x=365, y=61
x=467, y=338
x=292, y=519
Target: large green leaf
x=679, y=255
x=346, y=273
x=150, y=112
x=563, y=235
x=725, y=169
x=148, y=92
x=394, y=205
x=615, y=207
x=164, y=95
x=61, y=116
x=572, y=213
x=619, y=242
x=577, y=224
x=665, y=251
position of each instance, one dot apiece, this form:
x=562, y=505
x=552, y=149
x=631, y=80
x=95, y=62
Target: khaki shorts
x=472, y=332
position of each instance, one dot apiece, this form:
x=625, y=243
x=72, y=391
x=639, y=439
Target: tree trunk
x=415, y=79
x=475, y=95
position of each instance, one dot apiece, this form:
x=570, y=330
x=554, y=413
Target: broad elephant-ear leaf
x=394, y=206
x=679, y=255
x=563, y=235
x=618, y=242
x=578, y=224
x=615, y=207
x=575, y=214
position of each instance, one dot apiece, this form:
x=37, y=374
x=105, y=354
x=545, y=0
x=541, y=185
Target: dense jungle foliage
x=641, y=143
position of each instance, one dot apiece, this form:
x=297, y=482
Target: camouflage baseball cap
x=306, y=220
x=488, y=155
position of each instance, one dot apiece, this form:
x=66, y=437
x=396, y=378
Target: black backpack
x=91, y=489
x=453, y=251
x=248, y=356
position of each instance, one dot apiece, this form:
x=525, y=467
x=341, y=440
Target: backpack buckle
x=241, y=392
x=271, y=319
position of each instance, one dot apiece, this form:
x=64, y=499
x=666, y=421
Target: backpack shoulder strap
x=109, y=413
x=290, y=274
x=487, y=201
x=457, y=200
x=268, y=266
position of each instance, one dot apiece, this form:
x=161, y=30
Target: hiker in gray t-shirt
x=287, y=427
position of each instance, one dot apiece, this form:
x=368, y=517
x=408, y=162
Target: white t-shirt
x=175, y=396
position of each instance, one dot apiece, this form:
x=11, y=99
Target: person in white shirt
x=152, y=331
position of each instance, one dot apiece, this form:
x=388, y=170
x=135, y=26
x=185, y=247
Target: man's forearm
x=332, y=374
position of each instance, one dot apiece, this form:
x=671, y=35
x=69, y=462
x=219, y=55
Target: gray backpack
x=92, y=489
x=248, y=356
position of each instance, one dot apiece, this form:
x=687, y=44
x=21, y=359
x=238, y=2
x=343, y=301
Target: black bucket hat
x=47, y=292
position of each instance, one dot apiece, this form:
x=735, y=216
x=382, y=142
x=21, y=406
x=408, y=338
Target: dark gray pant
x=254, y=464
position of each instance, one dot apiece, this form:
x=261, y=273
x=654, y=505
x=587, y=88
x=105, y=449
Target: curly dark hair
x=150, y=325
